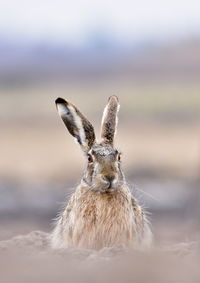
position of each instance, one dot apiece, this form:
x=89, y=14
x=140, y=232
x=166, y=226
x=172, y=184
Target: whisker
x=147, y=194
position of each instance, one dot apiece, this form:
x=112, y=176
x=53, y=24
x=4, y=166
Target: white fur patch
x=118, y=107
x=62, y=110
x=79, y=125
x=104, y=114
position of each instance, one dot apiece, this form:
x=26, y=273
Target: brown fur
x=102, y=212
x=94, y=221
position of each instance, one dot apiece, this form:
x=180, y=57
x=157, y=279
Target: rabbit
x=101, y=212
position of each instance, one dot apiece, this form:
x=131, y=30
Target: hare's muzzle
x=109, y=179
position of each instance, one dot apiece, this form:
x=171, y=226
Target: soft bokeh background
x=147, y=53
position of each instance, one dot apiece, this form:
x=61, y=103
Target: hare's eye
x=90, y=159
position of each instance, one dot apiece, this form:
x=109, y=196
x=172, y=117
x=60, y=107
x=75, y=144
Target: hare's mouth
x=106, y=186
x=109, y=186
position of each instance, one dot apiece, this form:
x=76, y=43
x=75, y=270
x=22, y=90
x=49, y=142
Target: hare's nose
x=109, y=179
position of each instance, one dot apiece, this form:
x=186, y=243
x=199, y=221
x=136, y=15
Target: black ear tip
x=60, y=100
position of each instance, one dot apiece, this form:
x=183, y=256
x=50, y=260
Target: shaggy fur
x=102, y=212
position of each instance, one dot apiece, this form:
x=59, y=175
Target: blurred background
x=146, y=53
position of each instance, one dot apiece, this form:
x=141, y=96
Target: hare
x=102, y=211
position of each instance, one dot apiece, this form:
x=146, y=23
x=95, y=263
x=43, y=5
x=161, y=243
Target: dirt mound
x=36, y=240
x=28, y=258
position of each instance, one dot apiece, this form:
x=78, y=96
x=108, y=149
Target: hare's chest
x=103, y=207
x=103, y=217
x=104, y=210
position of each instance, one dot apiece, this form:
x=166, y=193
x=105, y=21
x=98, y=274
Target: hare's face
x=104, y=171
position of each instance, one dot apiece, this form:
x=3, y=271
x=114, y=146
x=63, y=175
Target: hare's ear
x=109, y=120
x=78, y=126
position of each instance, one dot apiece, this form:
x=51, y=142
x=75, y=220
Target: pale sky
x=73, y=20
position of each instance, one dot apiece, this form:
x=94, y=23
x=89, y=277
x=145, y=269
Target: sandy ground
x=28, y=258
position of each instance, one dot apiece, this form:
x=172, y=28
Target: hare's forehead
x=103, y=150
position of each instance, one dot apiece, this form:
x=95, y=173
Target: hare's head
x=103, y=172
